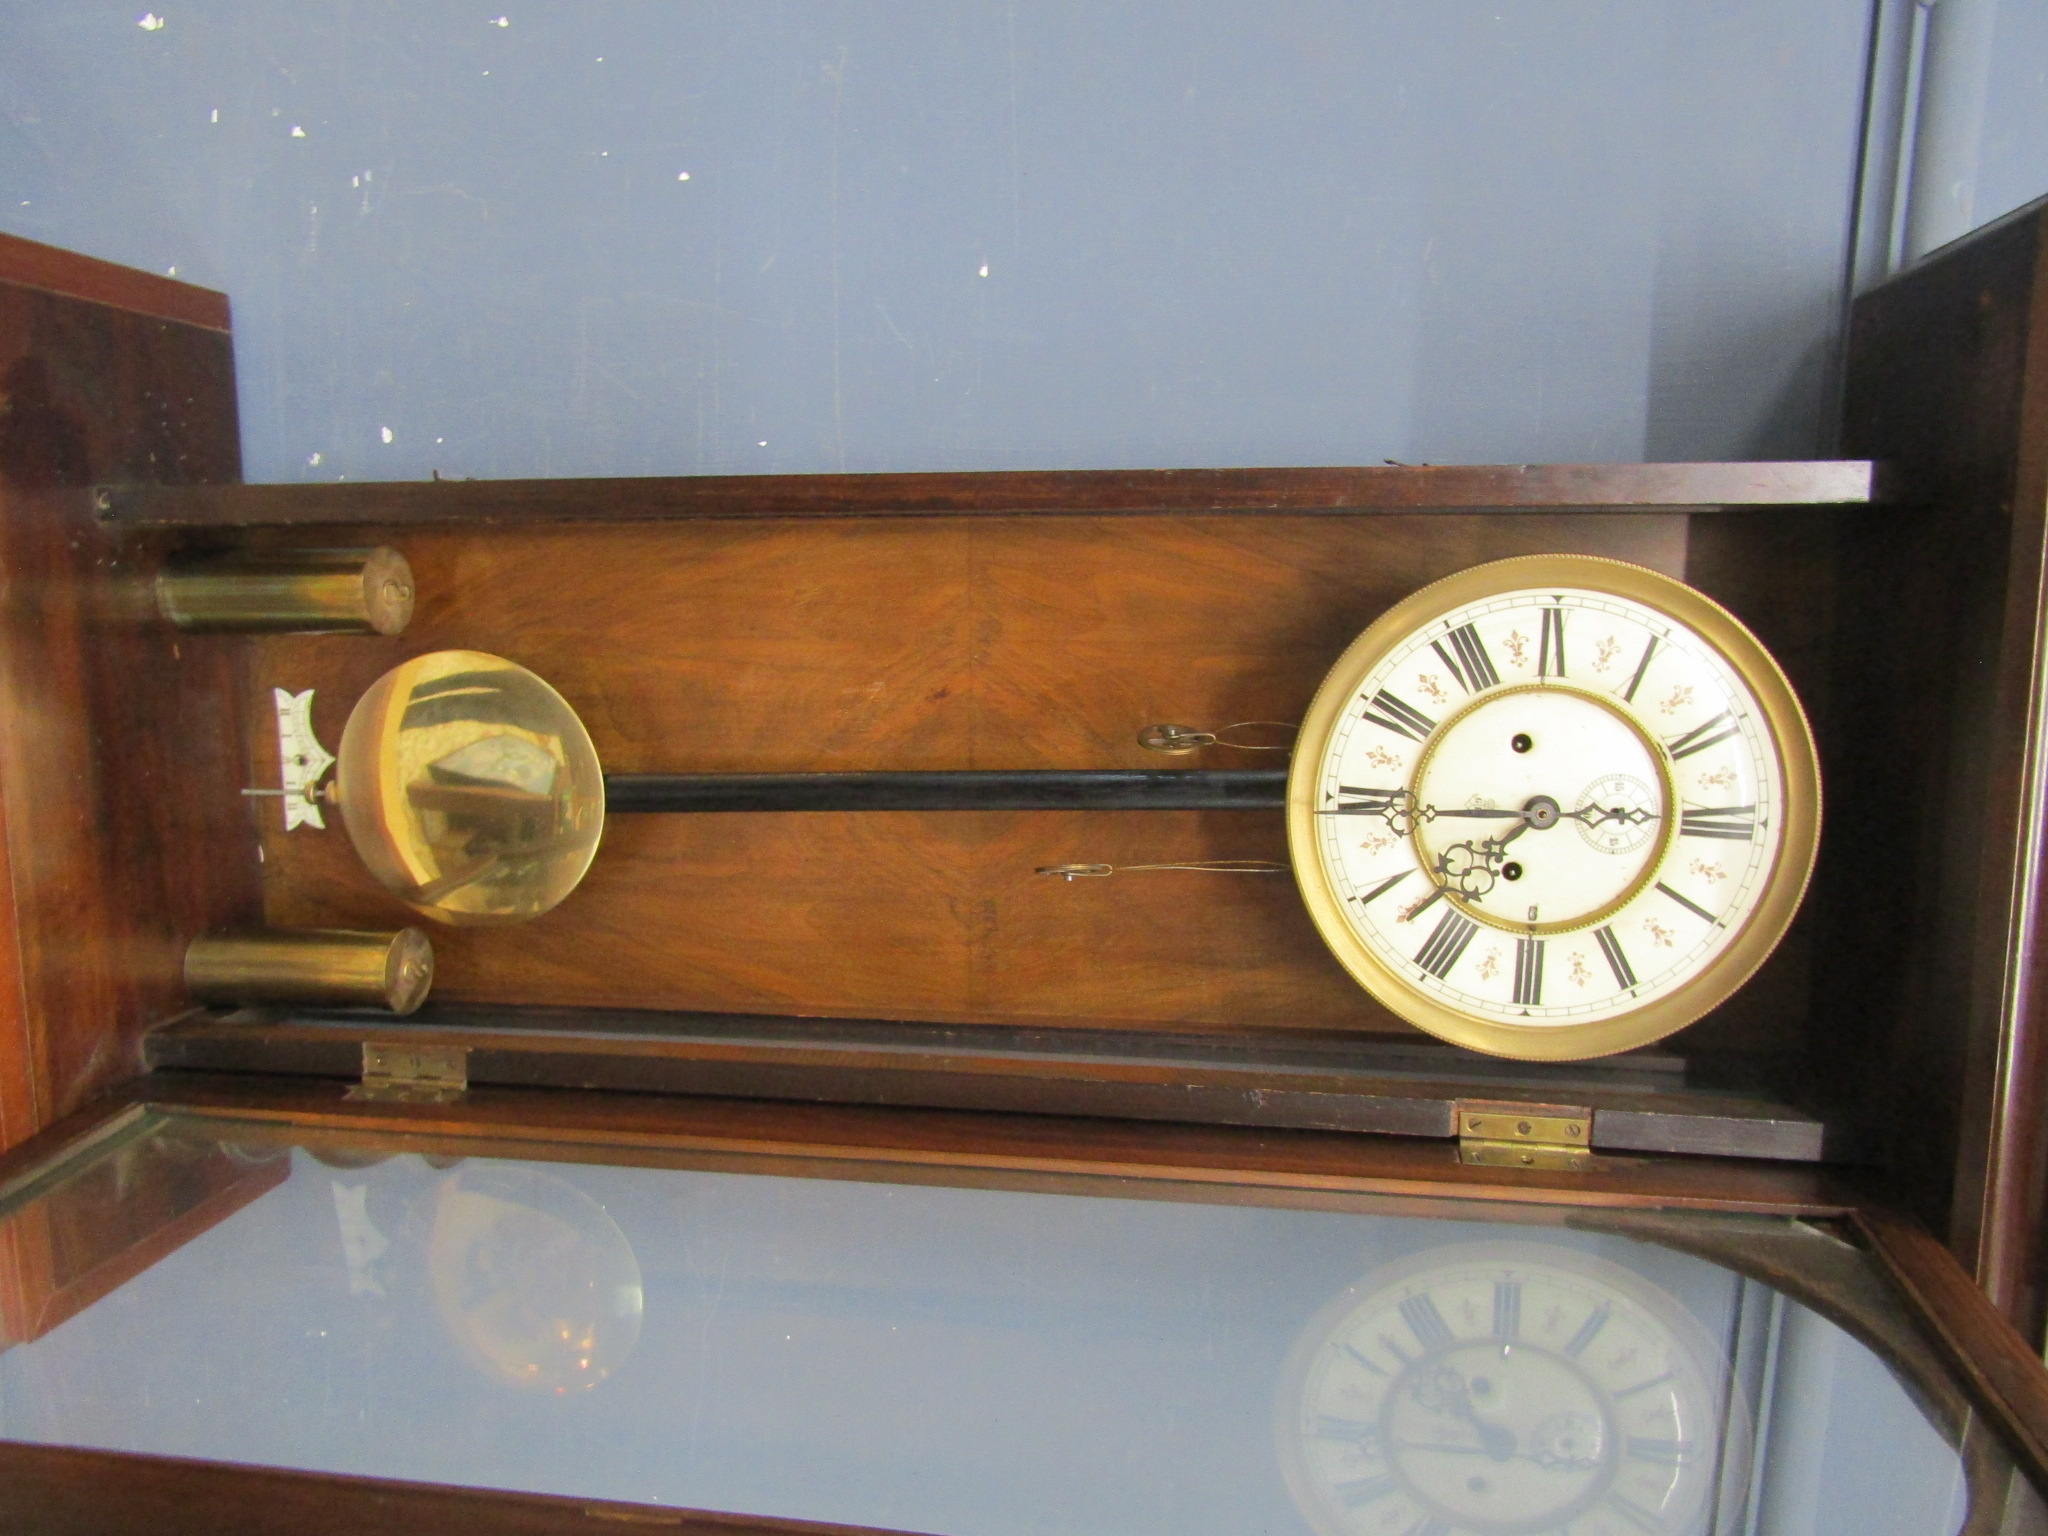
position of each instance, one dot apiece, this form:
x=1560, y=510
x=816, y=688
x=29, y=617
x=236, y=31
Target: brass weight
x=388, y=970
x=306, y=591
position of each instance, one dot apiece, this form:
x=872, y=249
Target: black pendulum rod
x=1108, y=789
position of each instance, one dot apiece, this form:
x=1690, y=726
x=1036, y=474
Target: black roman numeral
x=1628, y=694
x=1365, y=1436
x=1426, y=1323
x=1398, y=716
x=1617, y=962
x=1589, y=1330
x=1691, y=906
x=1363, y=802
x=1701, y=737
x=1446, y=945
x=1666, y=1452
x=1528, y=972
x=1365, y=1360
x=1366, y=1490
x=1634, y=1513
x=1467, y=659
x=1735, y=822
x=1507, y=1309
x=1550, y=648
x=1644, y=1386
x=1382, y=888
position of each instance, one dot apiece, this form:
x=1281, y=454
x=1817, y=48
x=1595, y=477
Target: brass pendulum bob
x=470, y=789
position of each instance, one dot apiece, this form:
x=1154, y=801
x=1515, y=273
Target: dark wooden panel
x=1394, y=1087
x=849, y=645
x=1933, y=932
x=119, y=763
x=27, y=264
x=1228, y=1162
x=1543, y=487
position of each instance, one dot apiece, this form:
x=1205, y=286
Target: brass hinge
x=413, y=1074
x=1494, y=1134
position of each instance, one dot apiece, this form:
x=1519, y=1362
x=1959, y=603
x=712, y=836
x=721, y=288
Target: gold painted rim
x=1659, y=758
x=1784, y=885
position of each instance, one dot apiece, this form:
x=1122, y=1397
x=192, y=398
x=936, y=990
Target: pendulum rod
x=1107, y=789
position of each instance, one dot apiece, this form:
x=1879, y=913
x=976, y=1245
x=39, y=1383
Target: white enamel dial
x=1480, y=1390
x=1554, y=804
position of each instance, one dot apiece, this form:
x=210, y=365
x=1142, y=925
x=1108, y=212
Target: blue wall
x=1229, y=232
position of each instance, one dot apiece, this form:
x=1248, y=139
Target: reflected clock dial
x=1479, y=1391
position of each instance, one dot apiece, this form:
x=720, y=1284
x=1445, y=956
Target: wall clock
x=1554, y=807
x=1477, y=1390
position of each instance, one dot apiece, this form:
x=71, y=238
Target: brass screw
x=1529, y=1157
x=1472, y=1125
x=1571, y=1130
x=1522, y=1128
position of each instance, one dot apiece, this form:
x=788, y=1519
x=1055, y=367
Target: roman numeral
x=1426, y=1323
x=1691, y=906
x=1366, y=1490
x=1363, y=802
x=1356, y=1432
x=1398, y=716
x=1382, y=888
x=1364, y=1360
x=1628, y=694
x=1507, y=1309
x=1634, y=1513
x=1528, y=972
x=1644, y=1386
x=1589, y=1330
x=1550, y=648
x=1666, y=1452
x=1701, y=737
x=1467, y=659
x=1735, y=822
x=1617, y=962
x=1446, y=945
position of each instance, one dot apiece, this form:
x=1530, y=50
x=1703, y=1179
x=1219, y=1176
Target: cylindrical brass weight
x=307, y=591
x=315, y=965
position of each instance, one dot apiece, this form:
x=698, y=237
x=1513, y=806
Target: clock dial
x=1554, y=806
x=1476, y=1391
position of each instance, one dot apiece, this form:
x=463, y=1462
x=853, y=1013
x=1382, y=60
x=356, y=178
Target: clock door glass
x=965, y=1352
x=1549, y=807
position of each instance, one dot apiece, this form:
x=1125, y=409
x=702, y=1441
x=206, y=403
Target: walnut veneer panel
x=119, y=755
x=908, y=644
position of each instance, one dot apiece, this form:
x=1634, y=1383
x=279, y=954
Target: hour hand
x=1394, y=806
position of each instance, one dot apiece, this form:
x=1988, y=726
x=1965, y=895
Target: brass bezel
x=1784, y=885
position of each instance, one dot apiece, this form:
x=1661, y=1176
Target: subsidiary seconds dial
x=1554, y=807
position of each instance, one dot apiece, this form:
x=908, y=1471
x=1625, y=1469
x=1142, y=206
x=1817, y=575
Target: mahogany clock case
x=817, y=623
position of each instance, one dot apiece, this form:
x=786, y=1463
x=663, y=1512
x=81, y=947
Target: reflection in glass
x=1508, y=1386
x=536, y=1284
x=1105, y=1357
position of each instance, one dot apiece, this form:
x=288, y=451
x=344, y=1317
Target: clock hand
x=1593, y=816
x=1448, y=1387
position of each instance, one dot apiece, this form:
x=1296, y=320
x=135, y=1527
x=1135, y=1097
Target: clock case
x=904, y=979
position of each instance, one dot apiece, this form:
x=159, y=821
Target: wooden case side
x=121, y=832
x=1934, y=925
